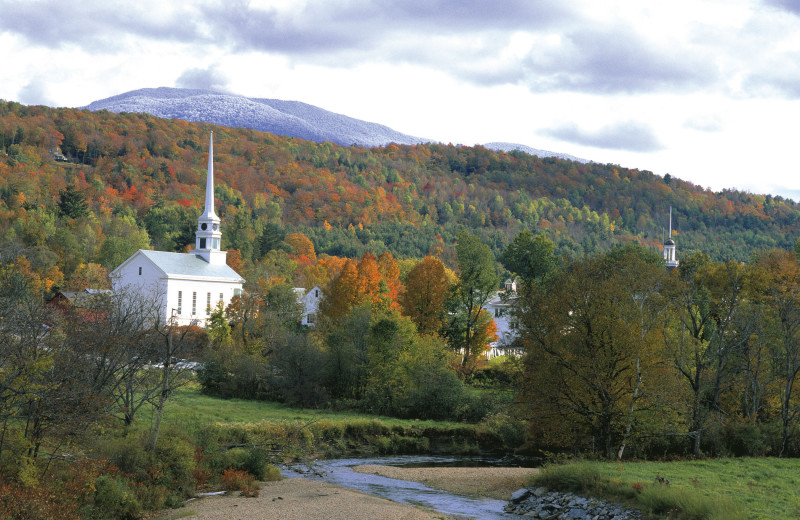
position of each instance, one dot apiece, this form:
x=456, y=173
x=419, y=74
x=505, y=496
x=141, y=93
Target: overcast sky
x=704, y=90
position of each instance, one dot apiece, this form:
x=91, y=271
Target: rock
x=520, y=495
x=539, y=503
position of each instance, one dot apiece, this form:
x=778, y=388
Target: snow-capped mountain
x=291, y=118
x=508, y=147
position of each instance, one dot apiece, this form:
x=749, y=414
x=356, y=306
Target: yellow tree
x=427, y=287
x=341, y=294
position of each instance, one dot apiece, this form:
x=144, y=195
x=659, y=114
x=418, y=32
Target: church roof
x=185, y=264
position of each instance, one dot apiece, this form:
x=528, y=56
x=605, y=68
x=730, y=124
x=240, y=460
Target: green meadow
x=719, y=489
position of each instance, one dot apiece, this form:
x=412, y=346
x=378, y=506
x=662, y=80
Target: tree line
x=135, y=181
x=626, y=357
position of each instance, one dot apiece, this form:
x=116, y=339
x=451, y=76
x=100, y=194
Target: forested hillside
x=136, y=181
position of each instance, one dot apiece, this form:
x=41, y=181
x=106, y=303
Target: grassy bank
x=330, y=433
x=751, y=488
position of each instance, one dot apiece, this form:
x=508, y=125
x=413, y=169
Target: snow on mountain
x=290, y=118
x=508, y=147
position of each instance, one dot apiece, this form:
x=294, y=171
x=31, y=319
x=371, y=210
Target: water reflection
x=340, y=472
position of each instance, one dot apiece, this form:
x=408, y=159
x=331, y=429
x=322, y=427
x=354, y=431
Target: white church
x=187, y=286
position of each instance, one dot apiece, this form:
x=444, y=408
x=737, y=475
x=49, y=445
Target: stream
x=340, y=472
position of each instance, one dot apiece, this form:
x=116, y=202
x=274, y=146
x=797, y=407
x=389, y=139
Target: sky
x=704, y=90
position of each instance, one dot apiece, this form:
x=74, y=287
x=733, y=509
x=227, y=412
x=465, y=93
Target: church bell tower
x=669, y=247
x=208, y=235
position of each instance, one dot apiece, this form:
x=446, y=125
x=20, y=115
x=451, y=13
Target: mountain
x=142, y=180
x=510, y=147
x=289, y=118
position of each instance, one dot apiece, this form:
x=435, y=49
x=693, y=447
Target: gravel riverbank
x=302, y=499
x=298, y=499
x=496, y=483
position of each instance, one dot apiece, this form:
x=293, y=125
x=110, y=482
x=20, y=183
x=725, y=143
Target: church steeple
x=208, y=235
x=669, y=246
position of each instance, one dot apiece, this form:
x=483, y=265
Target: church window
x=203, y=226
x=180, y=301
x=208, y=303
x=316, y=293
x=311, y=318
x=215, y=243
x=202, y=243
x=140, y=271
x=194, y=303
x=220, y=297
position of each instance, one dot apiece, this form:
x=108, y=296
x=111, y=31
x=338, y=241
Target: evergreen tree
x=72, y=203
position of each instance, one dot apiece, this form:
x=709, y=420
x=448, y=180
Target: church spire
x=209, y=210
x=208, y=236
x=669, y=246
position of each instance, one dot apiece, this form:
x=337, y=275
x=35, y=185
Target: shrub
x=174, y=461
x=511, y=432
x=38, y=503
x=238, y=480
x=114, y=499
x=254, y=460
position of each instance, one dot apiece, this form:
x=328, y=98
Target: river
x=340, y=472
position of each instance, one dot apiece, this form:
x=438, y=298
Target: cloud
x=35, y=93
x=630, y=136
x=204, y=79
x=615, y=60
x=704, y=123
x=324, y=28
x=793, y=6
x=93, y=25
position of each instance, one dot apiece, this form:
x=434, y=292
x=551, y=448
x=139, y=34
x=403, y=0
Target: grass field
x=758, y=488
x=188, y=407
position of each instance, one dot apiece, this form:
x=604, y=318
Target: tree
x=427, y=288
x=301, y=246
x=72, y=203
x=704, y=341
x=390, y=272
x=781, y=291
x=477, y=283
x=593, y=340
x=341, y=294
x=531, y=257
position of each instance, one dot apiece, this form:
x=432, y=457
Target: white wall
x=152, y=284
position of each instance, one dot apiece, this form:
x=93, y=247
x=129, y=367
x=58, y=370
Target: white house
x=185, y=286
x=309, y=303
x=500, y=307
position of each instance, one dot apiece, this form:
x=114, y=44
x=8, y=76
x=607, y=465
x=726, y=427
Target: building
x=669, y=247
x=309, y=304
x=185, y=287
x=500, y=306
